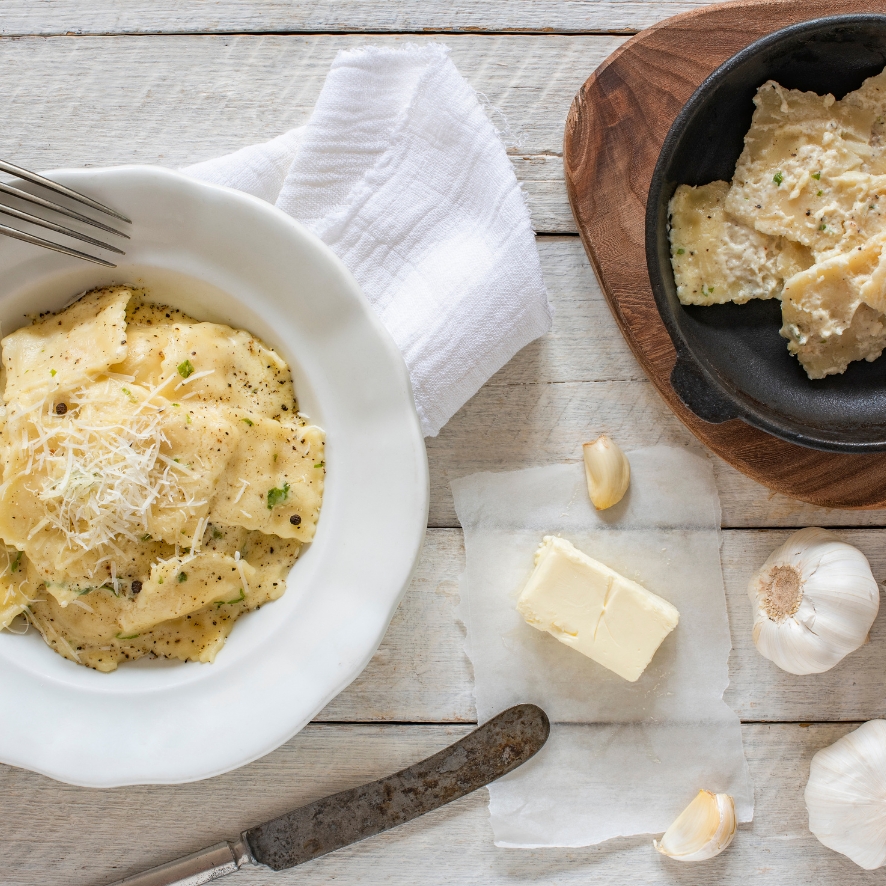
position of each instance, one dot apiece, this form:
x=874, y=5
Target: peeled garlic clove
x=702, y=830
x=846, y=795
x=608, y=472
x=815, y=600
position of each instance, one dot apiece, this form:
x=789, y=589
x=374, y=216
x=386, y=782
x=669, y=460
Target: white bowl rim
x=410, y=510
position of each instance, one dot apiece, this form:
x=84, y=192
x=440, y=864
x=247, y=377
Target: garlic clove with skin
x=846, y=795
x=608, y=472
x=815, y=600
x=702, y=830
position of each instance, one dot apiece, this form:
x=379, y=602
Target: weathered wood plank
x=169, y=16
x=62, y=836
x=119, y=103
x=177, y=100
x=507, y=427
x=571, y=385
x=421, y=673
x=541, y=176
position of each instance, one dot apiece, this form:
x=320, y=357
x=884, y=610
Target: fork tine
x=55, y=207
x=52, y=226
x=36, y=179
x=48, y=244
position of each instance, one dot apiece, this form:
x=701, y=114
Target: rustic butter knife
x=495, y=748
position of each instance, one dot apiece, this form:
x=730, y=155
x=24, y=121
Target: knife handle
x=487, y=753
x=195, y=869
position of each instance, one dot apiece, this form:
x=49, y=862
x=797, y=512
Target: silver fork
x=34, y=178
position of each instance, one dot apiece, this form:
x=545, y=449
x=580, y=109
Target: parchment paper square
x=623, y=758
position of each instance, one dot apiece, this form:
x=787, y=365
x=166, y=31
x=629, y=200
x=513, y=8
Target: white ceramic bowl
x=224, y=256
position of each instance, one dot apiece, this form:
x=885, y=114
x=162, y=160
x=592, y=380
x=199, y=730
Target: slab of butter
x=593, y=609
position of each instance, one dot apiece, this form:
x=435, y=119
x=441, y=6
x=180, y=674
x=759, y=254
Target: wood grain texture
x=421, y=673
x=178, y=99
x=175, y=100
x=574, y=383
x=23, y=17
x=614, y=131
x=54, y=835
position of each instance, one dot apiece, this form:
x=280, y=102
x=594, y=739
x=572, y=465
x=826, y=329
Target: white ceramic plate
x=223, y=256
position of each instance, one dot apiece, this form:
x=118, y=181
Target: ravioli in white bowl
x=158, y=479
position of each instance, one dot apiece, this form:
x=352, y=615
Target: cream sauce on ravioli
x=803, y=220
x=158, y=480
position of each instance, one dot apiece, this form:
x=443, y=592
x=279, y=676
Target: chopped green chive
x=681, y=251
x=217, y=533
x=16, y=562
x=188, y=418
x=322, y=464
x=160, y=580
x=182, y=576
x=778, y=178
x=277, y=495
x=146, y=537
x=129, y=394
x=52, y=372
x=185, y=368
x=231, y=602
x=822, y=227
x=819, y=193
x=816, y=175
x=248, y=421
x=126, y=636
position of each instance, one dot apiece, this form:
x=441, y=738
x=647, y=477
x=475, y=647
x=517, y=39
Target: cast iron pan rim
x=737, y=403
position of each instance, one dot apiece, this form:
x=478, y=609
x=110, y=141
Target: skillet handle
x=698, y=394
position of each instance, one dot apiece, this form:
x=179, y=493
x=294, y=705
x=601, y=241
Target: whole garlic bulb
x=607, y=471
x=815, y=600
x=846, y=795
x=702, y=830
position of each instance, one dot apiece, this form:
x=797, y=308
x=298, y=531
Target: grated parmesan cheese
x=193, y=377
x=242, y=571
x=98, y=481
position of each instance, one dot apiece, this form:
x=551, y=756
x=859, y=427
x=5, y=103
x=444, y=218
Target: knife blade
x=490, y=751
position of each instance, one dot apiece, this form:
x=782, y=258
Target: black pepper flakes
x=295, y=519
x=136, y=587
x=61, y=408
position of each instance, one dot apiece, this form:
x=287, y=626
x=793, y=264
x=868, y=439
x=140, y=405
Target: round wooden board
x=614, y=132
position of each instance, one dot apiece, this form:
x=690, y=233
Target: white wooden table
x=101, y=82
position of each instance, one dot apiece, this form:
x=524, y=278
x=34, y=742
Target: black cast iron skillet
x=731, y=360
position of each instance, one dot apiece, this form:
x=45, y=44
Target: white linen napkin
x=401, y=173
